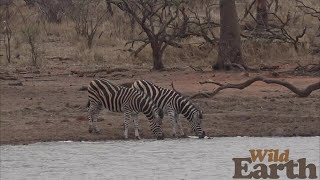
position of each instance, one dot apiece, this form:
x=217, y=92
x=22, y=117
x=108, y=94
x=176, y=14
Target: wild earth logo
x=277, y=162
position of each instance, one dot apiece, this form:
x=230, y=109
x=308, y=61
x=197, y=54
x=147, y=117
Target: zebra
x=174, y=103
x=102, y=93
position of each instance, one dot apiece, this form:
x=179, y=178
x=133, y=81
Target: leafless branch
x=137, y=51
x=197, y=69
x=308, y=10
x=107, y=71
x=203, y=26
x=300, y=92
x=86, y=22
x=163, y=23
x=210, y=82
x=248, y=9
x=277, y=31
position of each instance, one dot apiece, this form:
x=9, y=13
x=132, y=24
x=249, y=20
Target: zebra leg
x=178, y=122
x=135, y=119
x=127, y=116
x=171, y=114
x=93, y=112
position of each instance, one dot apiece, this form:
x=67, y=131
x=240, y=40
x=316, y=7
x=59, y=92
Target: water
x=144, y=159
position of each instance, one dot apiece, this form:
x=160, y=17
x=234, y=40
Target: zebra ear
x=200, y=115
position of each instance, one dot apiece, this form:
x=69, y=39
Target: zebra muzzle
x=160, y=137
x=202, y=135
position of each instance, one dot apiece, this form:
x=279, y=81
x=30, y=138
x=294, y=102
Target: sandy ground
x=50, y=107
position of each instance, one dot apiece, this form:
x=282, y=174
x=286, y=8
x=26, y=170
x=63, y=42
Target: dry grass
x=109, y=49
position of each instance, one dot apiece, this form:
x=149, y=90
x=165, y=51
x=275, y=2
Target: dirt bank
x=50, y=107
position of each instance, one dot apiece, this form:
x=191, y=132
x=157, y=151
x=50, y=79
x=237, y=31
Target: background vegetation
x=105, y=32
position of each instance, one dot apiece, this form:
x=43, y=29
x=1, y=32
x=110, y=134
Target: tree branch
x=300, y=92
x=278, y=31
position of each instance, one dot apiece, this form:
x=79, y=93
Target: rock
x=15, y=83
x=277, y=132
x=83, y=88
x=81, y=118
x=48, y=121
x=100, y=119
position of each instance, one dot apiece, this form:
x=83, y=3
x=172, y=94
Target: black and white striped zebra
x=102, y=93
x=175, y=104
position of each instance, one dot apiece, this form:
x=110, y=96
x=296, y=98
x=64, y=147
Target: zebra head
x=157, y=115
x=193, y=114
x=196, y=122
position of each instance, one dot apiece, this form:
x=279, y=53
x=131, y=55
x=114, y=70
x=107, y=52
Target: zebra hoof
x=160, y=137
x=202, y=135
x=97, y=132
x=94, y=131
x=138, y=138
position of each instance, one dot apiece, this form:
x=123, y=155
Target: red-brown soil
x=50, y=107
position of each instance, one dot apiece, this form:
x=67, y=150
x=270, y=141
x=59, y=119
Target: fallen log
x=300, y=92
x=107, y=71
x=174, y=89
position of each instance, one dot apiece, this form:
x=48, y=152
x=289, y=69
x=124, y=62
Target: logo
x=256, y=167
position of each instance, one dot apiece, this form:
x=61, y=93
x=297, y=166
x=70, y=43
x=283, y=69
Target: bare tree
x=310, y=11
x=5, y=2
x=163, y=23
x=203, y=25
x=6, y=18
x=30, y=2
x=52, y=10
x=263, y=7
x=31, y=33
x=109, y=7
x=262, y=13
x=278, y=30
x=229, y=43
x=88, y=16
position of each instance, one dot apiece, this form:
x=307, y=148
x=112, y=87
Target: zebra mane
x=174, y=90
x=185, y=97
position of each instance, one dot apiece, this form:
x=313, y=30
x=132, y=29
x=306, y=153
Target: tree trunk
x=90, y=40
x=157, y=61
x=7, y=34
x=229, y=44
x=262, y=14
x=7, y=46
x=157, y=57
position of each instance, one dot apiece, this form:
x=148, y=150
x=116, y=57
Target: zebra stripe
x=175, y=104
x=102, y=93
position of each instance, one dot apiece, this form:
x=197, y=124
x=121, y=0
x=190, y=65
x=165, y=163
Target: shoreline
x=106, y=140
x=121, y=139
